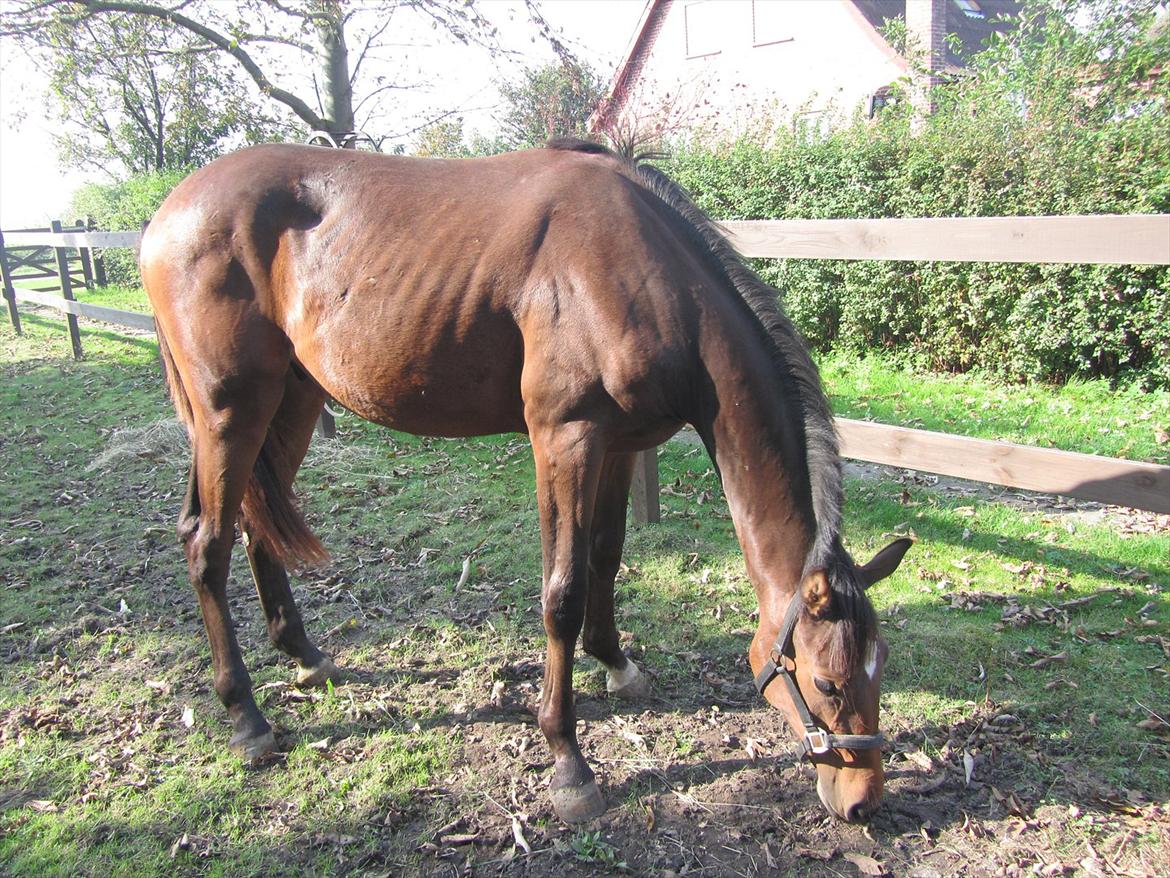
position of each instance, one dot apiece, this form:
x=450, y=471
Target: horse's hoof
x=318, y=674
x=255, y=747
x=578, y=804
x=628, y=683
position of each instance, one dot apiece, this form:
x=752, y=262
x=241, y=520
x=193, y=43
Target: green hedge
x=1044, y=126
x=124, y=207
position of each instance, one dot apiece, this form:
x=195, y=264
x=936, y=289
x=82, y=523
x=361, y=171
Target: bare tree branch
x=366, y=48
x=389, y=86
x=226, y=44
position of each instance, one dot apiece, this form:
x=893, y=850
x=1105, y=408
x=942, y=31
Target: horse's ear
x=884, y=562
x=816, y=594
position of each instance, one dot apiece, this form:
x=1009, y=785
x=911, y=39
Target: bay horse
x=565, y=293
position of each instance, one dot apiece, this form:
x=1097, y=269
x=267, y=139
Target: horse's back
x=435, y=296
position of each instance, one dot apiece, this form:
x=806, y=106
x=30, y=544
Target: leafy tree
x=443, y=139
x=335, y=42
x=550, y=101
x=150, y=100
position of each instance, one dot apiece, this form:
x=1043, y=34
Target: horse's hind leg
x=607, y=536
x=289, y=437
x=226, y=445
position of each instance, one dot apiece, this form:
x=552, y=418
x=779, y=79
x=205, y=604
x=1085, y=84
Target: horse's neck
x=753, y=429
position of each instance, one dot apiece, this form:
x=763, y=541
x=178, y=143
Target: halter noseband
x=816, y=741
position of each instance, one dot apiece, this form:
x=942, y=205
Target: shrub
x=121, y=207
x=1055, y=119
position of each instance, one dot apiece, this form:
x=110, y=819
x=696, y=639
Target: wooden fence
x=1142, y=239
x=1138, y=240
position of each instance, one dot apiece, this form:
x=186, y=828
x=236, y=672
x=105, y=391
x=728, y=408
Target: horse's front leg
x=568, y=461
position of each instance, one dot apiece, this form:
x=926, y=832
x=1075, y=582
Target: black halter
x=816, y=740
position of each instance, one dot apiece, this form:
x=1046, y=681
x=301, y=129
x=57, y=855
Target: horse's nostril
x=859, y=813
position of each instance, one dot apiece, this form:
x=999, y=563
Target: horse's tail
x=269, y=508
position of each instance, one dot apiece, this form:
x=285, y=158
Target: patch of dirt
x=696, y=788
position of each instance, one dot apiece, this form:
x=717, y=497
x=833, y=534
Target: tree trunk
x=337, y=93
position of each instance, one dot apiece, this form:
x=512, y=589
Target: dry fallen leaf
x=464, y=574
x=754, y=748
x=518, y=835
x=968, y=767
x=771, y=861
x=182, y=843
x=920, y=759
x=1050, y=659
x=866, y=865
x=816, y=854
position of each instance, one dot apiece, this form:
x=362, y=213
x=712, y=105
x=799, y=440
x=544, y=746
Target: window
x=770, y=22
x=703, y=28
x=970, y=8
x=879, y=100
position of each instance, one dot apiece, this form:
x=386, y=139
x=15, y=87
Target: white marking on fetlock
x=318, y=674
x=628, y=682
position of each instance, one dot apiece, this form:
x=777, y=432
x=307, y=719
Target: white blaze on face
x=871, y=660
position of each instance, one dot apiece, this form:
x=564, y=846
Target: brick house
x=718, y=65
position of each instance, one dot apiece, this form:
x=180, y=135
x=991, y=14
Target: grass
x=100, y=775
x=1085, y=416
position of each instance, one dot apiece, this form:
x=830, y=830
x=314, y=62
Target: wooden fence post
x=9, y=291
x=67, y=291
x=86, y=258
x=99, y=260
x=644, y=488
x=326, y=425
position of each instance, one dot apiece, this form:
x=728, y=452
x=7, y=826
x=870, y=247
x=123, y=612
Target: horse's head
x=824, y=672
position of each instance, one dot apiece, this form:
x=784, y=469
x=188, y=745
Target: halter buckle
x=816, y=741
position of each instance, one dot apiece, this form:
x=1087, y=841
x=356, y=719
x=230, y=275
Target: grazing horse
x=564, y=293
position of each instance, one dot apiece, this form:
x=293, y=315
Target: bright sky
x=35, y=188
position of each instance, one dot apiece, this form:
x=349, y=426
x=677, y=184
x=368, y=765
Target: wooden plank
x=326, y=423
x=1084, y=476
x=9, y=290
x=67, y=293
x=116, y=316
x=73, y=239
x=1134, y=239
x=644, y=488
x=34, y=260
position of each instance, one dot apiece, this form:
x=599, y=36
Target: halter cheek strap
x=816, y=741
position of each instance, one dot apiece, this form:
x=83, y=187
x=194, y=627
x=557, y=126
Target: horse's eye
x=826, y=687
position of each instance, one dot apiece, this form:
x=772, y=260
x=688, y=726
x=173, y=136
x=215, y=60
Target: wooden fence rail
x=1137, y=240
